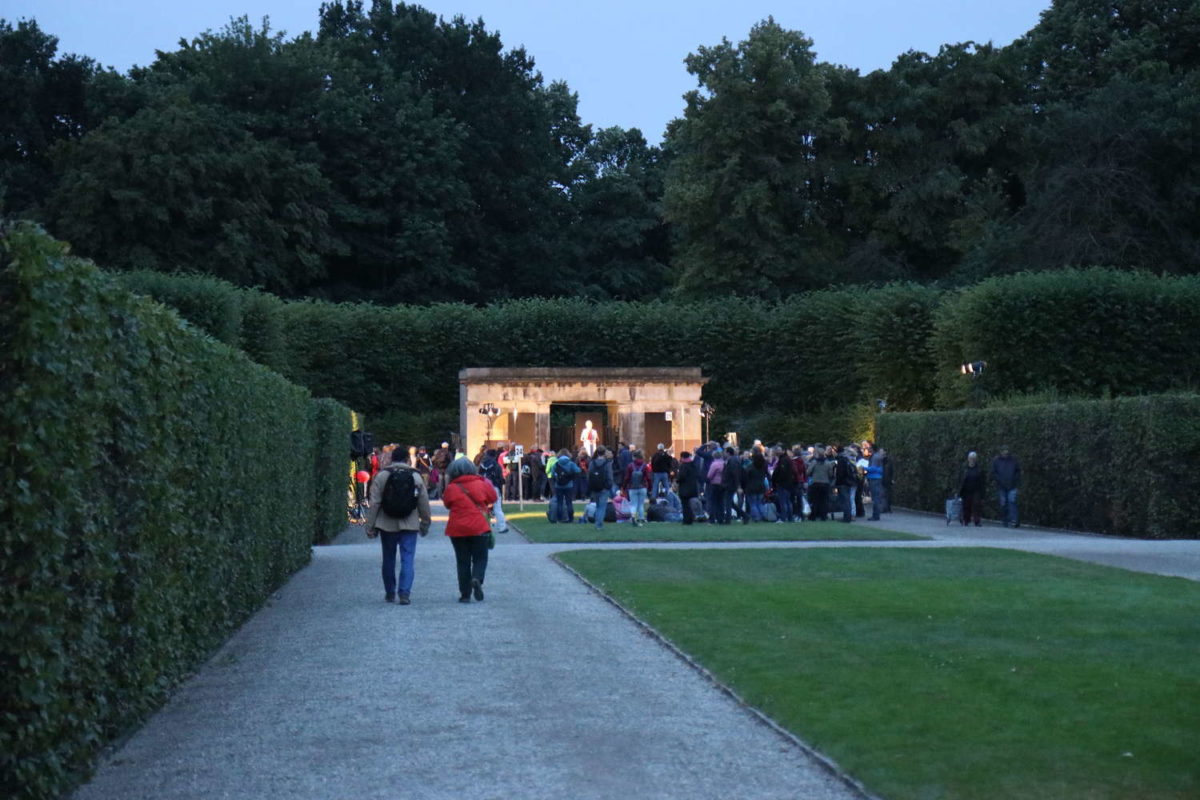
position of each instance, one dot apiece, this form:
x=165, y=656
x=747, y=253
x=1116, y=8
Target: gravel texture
x=543, y=690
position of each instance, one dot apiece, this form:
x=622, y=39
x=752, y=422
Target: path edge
x=825, y=762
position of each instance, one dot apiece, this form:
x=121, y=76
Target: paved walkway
x=542, y=691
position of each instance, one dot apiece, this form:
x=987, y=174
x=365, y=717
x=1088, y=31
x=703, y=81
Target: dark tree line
x=397, y=156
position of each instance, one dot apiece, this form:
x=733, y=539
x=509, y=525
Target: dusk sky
x=623, y=58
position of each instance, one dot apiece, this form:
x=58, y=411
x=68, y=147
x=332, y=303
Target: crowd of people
x=717, y=484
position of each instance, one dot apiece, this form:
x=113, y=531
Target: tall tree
x=744, y=191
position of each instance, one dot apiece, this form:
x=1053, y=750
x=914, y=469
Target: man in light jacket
x=398, y=533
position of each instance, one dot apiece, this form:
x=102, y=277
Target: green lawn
x=948, y=673
x=533, y=523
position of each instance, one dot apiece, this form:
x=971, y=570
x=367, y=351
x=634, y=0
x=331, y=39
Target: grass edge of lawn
x=827, y=763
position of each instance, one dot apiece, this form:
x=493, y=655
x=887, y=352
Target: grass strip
x=948, y=673
x=533, y=523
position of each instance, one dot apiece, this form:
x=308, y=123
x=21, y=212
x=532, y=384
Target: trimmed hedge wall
x=140, y=522
x=331, y=426
x=1120, y=466
x=1079, y=332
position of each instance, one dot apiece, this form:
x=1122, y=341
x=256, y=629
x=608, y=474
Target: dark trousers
x=859, y=510
x=688, y=516
x=716, y=503
x=564, y=503
x=972, y=509
x=818, y=498
x=877, y=494
x=471, y=556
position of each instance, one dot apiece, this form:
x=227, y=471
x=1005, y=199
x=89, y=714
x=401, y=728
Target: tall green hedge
x=1121, y=466
x=331, y=428
x=140, y=521
x=1082, y=332
x=1079, y=332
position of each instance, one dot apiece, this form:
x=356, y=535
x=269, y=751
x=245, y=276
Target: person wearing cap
x=397, y=534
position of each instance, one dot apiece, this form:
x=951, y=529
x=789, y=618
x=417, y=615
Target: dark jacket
x=1006, y=472
x=605, y=468
x=784, y=475
x=970, y=482
x=688, y=479
x=756, y=479
x=661, y=462
x=846, y=472
x=733, y=478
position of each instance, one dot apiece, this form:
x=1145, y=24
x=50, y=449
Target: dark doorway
x=567, y=423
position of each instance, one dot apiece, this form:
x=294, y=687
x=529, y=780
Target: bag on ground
x=769, y=512
x=953, y=509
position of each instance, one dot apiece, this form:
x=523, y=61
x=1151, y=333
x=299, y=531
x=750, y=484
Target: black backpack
x=596, y=480
x=400, y=493
x=491, y=470
x=562, y=475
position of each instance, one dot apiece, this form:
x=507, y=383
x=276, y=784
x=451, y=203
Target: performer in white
x=589, y=437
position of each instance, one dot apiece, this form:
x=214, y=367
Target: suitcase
x=953, y=510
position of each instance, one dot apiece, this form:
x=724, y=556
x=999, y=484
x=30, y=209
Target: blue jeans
x=660, y=477
x=1008, y=506
x=600, y=498
x=783, y=503
x=846, y=502
x=756, y=506
x=876, y=497
x=564, y=503
x=406, y=541
x=637, y=504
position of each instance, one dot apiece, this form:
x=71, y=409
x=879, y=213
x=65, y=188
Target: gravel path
x=542, y=691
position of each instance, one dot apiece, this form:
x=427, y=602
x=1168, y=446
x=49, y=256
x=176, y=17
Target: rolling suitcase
x=953, y=510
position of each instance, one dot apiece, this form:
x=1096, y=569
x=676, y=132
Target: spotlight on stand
x=973, y=368
x=491, y=412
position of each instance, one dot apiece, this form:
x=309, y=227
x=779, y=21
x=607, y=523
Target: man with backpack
x=490, y=469
x=562, y=474
x=399, y=512
x=600, y=482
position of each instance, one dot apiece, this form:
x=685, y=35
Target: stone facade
x=640, y=402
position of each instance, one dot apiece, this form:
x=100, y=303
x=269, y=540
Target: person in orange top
x=468, y=496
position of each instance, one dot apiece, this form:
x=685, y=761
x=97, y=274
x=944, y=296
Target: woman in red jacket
x=469, y=496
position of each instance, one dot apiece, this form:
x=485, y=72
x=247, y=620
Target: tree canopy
x=397, y=156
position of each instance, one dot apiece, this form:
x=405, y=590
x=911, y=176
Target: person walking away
x=660, y=468
x=441, y=461
x=875, y=481
x=820, y=480
x=756, y=485
x=398, y=513
x=970, y=489
x=715, y=492
x=635, y=483
x=689, y=486
x=733, y=480
x=562, y=478
x=783, y=481
x=490, y=470
x=468, y=497
x=600, y=483
x=1006, y=473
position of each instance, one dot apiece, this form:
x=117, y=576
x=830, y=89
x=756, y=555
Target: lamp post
x=707, y=412
x=491, y=412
